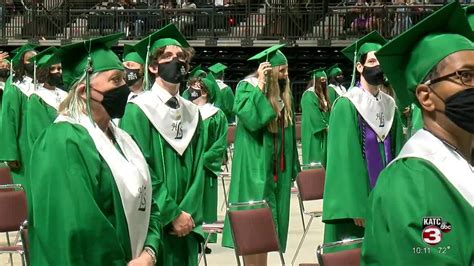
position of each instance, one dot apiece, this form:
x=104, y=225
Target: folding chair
x=349, y=257
x=310, y=187
x=229, y=156
x=13, y=212
x=5, y=176
x=253, y=230
x=295, y=189
x=214, y=228
x=25, y=240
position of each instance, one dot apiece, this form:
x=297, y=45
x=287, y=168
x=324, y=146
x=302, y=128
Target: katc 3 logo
x=433, y=229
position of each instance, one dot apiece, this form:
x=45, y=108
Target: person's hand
x=263, y=70
x=144, y=259
x=183, y=224
x=3, y=55
x=14, y=164
x=359, y=222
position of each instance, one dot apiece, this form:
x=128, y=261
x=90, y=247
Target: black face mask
x=173, y=72
x=55, y=80
x=29, y=69
x=132, y=76
x=194, y=94
x=4, y=73
x=459, y=108
x=373, y=75
x=282, y=84
x=115, y=100
x=340, y=80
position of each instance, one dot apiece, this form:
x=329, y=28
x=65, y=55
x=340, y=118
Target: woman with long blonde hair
x=265, y=159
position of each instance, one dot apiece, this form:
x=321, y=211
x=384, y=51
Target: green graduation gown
x=181, y=176
x=77, y=216
x=314, y=125
x=428, y=180
x=13, y=136
x=253, y=165
x=347, y=184
x=225, y=101
x=215, y=136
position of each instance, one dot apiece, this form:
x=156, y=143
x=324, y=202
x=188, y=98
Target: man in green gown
x=169, y=131
x=336, y=78
x=134, y=66
x=13, y=137
x=421, y=211
x=4, y=75
x=91, y=187
x=226, y=99
x=315, y=109
x=215, y=135
x=365, y=133
x=264, y=163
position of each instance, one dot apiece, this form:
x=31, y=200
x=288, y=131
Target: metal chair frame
x=345, y=242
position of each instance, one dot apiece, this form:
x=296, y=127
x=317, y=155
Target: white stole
x=131, y=175
x=454, y=167
x=207, y=110
x=176, y=126
x=26, y=86
x=221, y=84
x=340, y=90
x=378, y=112
x=51, y=97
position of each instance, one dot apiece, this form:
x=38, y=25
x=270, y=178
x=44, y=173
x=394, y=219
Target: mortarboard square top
x=47, y=57
x=369, y=43
x=75, y=57
x=333, y=71
x=408, y=58
x=272, y=55
x=217, y=68
x=318, y=73
x=197, y=72
x=20, y=51
x=131, y=55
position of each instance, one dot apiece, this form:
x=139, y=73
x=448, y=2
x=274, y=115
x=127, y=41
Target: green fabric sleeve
x=252, y=107
x=347, y=186
x=227, y=101
x=38, y=117
x=136, y=123
x=217, y=143
x=154, y=228
x=11, y=121
x=311, y=113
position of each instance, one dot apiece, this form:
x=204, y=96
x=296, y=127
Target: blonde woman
x=265, y=159
x=92, y=198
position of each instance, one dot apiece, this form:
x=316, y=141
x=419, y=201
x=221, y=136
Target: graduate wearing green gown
x=15, y=149
x=226, y=99
x=336, y=78
x=134, y=70
x=43, y=105
x=195, y=74
x=215, y=135
x=315, y=108
x=92, y=163
x=4, y=76
x=265, y=158
x=365, y=135
x=169, y=131
x=422, y=210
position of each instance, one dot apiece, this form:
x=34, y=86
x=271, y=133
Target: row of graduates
x=121, y=168
x=377, y=186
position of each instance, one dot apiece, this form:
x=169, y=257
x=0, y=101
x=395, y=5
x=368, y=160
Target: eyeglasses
x=465, y=76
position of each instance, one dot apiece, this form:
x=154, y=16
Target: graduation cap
x=212, y=88
x=408, y=58
x=371, y=42
x=217, y=68
x=197, y=72
x=47, y=57
x=272, y=55
x=131, y=55
x=333, y=71
x=94, y=55
x=168, y=35
x=470, y=15
x=318, y=73
x=20, y=51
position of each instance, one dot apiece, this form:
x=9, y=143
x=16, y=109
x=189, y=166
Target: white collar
x=25, y=85
x=378, y=111
x=207, y=110
x=453, y=166
x=162, y=93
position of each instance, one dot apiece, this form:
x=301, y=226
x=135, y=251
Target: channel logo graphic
x=433, y=229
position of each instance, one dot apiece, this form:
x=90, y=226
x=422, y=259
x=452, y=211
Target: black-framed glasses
x=465, y=76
